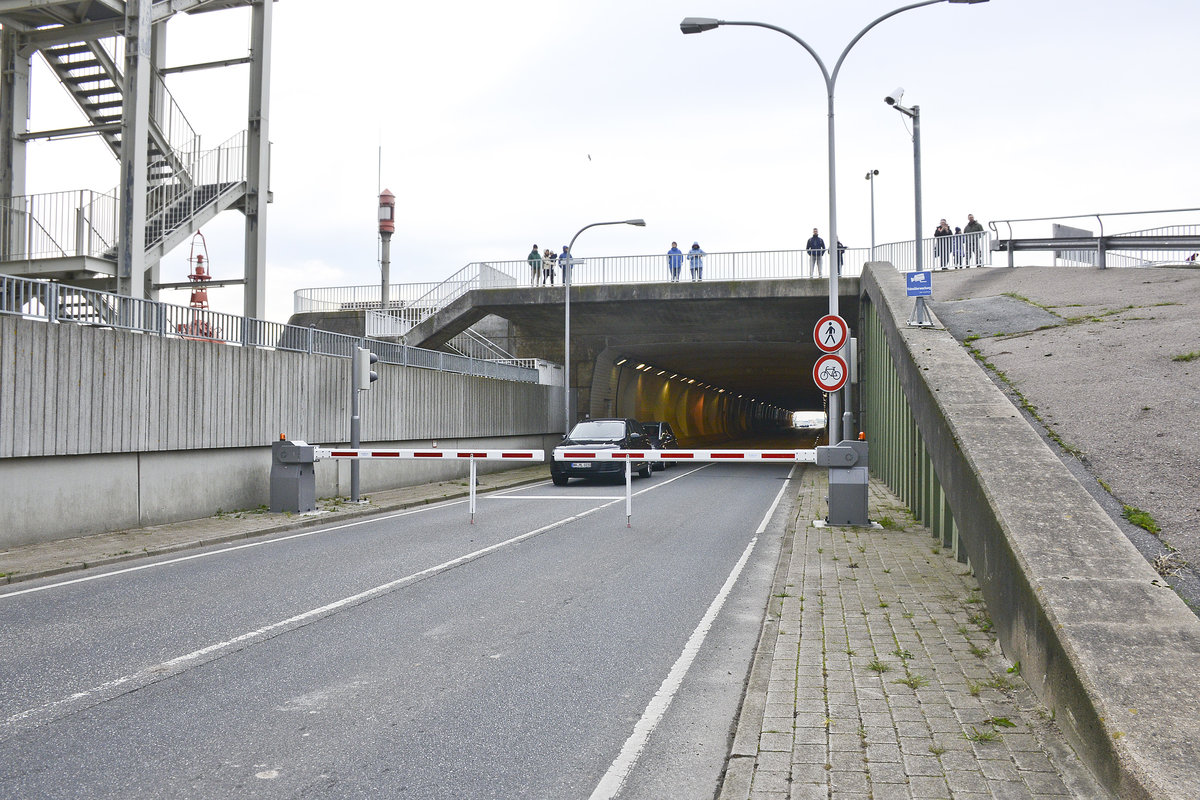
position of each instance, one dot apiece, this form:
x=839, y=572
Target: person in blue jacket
x=816, y=248
x=675, y=261
x=695, y=258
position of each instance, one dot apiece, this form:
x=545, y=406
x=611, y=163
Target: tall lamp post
x=914, y=114
x=570, y=262
x=387, y=226
x=871, y=177
x=701, y=24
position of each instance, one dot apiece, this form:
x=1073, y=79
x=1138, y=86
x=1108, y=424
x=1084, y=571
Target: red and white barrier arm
x=786, y=456
x=532, y=456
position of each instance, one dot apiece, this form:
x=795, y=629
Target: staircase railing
x=214, y=171
x=58, y=225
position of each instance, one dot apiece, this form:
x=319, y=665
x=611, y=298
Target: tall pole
x=567, y=269
x=916, y=118
x=387, y=226
x=871, y=178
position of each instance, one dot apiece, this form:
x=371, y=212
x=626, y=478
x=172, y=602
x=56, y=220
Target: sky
x=501, y=125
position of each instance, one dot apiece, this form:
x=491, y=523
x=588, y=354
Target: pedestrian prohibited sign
x=830, y=373
x=831, y=333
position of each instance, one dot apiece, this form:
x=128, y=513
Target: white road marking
x=610, y=785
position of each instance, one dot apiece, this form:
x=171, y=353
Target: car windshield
x=600, y=431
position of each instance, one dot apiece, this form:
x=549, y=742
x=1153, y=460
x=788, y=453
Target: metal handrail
x=60, y=303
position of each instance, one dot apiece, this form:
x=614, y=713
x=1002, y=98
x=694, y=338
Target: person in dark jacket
x=974, y=233
x=816, y=248
x=941, y=244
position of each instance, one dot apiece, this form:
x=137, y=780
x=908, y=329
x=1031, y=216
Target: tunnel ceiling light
x=622, y=361
x=639, y=366
x=693, y=380
x=662, y=372
x=673, y=377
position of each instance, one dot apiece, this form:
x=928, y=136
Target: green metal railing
x=898, y=454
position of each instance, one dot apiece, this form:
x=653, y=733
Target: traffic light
x=364, y=376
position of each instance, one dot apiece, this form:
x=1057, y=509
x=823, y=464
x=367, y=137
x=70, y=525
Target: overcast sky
x=506, y=124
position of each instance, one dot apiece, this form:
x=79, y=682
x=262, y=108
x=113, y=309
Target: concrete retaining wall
x=106, y=429
x=1104, y=642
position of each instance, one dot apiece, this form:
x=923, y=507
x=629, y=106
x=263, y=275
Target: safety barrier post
x=628, y=493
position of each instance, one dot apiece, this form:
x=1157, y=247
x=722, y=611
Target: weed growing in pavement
x=1000, y=722
x=1140, y=518
x=888, y=523
x=985, y=735
x=981, y=621
x=979, y=652
x=1192, y=356
x=883, y=604
x=974, y=598
x=913, y=681
x=936, y=750
x=783, y=594
x=875, y=665
x=887, y=572
x=935, y=549
x=1015, y=669
x=1000, y=682
x=902, y=654
x=974, y=688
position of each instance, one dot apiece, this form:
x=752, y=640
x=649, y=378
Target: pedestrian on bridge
x=695, y=258
x=974, y=233
x=941, y=244
x=675, y=261
x=535, y=266
x=566, y=261
x=548, y=267
x=816, y=249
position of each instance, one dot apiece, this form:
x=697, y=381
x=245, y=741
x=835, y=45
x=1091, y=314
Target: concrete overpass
x=750, y=338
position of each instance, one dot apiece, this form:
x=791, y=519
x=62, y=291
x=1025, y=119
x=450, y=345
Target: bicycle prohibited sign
x=830, y=373
x=831, y=333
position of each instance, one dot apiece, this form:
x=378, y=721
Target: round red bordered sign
x=830, y=373
x=831, y=333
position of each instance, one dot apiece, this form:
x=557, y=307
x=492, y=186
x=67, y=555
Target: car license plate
x=581, y=465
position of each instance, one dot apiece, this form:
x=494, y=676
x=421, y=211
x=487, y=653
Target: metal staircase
x=90, y=47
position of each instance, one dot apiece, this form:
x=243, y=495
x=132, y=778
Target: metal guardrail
x=1159, y=246
x=59, y=303
x=58, y=225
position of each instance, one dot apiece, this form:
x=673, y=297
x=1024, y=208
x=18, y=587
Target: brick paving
x=885, y=682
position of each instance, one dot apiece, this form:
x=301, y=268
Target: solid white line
x=771, y=511
x=610, y=784
x=174, y=666
x=554, y=497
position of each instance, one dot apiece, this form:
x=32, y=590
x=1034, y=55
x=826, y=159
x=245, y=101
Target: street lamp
x=567, y=265
x=871, y=177
x=701, y=24
x=914, y=114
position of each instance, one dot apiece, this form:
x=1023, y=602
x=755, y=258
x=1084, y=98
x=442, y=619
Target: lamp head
x=641, y=223
x=698, y=24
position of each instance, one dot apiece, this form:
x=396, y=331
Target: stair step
x=68, y=49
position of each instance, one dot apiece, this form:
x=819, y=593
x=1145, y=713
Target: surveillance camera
x=895, y=97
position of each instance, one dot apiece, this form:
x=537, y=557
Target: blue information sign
x=919, y=284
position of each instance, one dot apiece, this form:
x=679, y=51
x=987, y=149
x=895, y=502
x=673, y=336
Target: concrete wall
x=105, y=429
x=1105, y=643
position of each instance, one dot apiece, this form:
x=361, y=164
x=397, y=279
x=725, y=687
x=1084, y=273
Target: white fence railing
x=57, y=225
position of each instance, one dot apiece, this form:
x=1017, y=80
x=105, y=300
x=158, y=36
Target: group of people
x=960, y=246
x=695, y=258
x=542, y=265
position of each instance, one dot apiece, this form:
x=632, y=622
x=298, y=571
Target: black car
x=663, y=438
x=600, y=434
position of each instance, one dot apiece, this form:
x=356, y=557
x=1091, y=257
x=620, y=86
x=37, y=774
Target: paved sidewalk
x=67, y=555
x=877, y=677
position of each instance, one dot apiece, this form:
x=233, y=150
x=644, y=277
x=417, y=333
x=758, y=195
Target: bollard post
x=628, y=493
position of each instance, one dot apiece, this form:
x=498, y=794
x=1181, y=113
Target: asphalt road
x=548, y=650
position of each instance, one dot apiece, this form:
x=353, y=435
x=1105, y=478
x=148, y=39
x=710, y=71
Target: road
x=547, y=650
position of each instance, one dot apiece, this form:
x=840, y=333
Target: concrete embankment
x=1102, y=639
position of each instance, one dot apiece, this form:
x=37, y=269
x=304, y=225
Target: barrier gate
x=293, y=474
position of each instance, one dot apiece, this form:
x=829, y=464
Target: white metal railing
x=212, y=172
x=942, y=252
x=179, y=134
x=417, y=302
x=59, y=303
x=57, y=224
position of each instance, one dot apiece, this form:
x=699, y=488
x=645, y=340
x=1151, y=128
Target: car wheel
x=658, y=466
x=559, y=480
x=645, y=471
